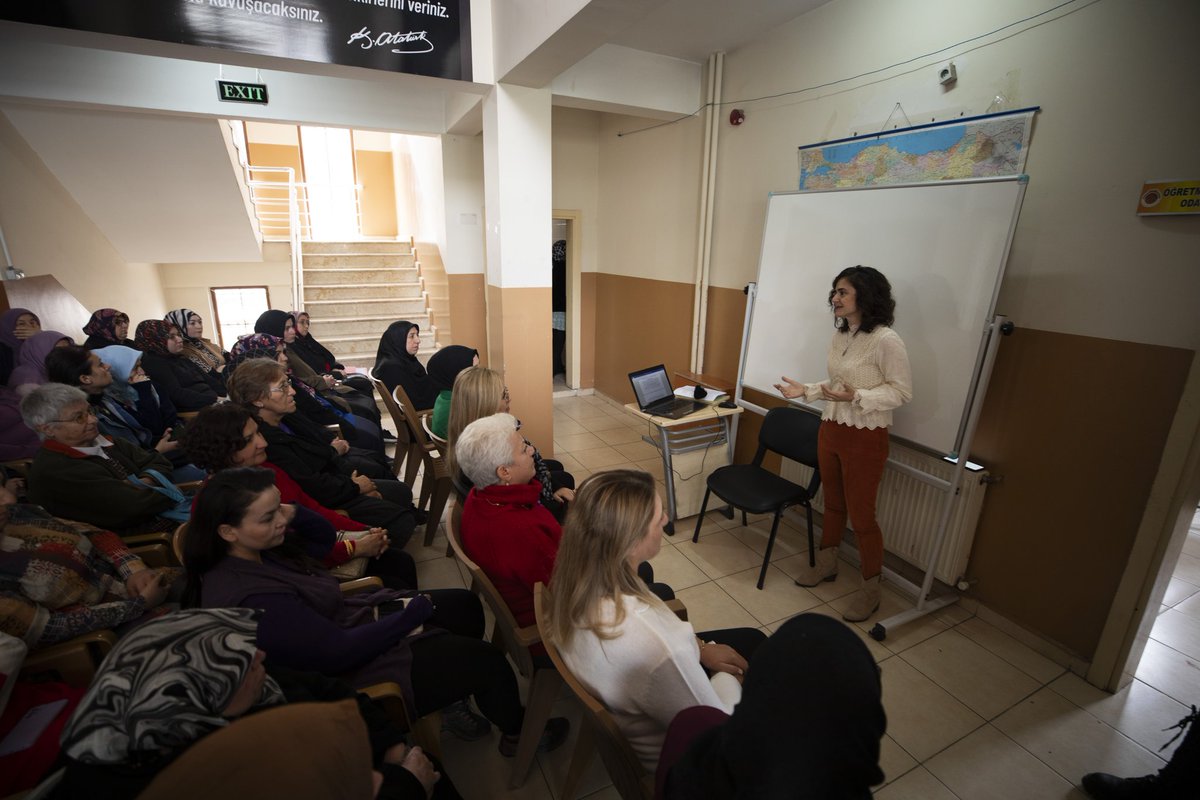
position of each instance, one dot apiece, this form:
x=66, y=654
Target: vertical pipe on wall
x=716, y=65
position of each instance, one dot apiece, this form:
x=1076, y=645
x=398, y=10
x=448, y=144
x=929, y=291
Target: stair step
x=324, y=248
x=395, y=308
x=369, y=291
x=340, y=276
x=359, y=260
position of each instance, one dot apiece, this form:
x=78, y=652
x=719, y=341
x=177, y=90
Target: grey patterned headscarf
x=165, y=685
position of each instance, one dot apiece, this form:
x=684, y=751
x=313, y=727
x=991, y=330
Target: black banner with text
x=412, y=36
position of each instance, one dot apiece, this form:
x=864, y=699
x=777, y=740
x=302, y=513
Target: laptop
x=656, y=397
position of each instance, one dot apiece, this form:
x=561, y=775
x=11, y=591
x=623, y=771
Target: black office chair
x=793, y=434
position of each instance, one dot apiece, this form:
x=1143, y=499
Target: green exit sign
x=234, y=92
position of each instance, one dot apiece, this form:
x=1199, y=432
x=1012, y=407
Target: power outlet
x=947, y=73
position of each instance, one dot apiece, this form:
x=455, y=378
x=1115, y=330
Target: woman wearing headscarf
x=200, y=351
x=108, y=326
x=188, y=387
x=808, y=725
x=117, y=412
x=16, y=325
x=311, y=404
x=444, y=366
x=17, y=441
x=282, y=324
x=396, y=364
x=30, y=370
x=320, y=358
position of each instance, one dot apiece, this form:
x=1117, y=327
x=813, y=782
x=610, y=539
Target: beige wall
x=187, y=285
x=373, y=171
x=575, y=158
x=49, y=234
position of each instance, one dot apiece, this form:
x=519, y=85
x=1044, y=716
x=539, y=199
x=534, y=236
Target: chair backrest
x=403, y=437
x=411, y=419
x=630, y=778
x=515, y=639
x=792, y=433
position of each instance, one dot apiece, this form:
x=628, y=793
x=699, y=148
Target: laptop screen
x=651, y=385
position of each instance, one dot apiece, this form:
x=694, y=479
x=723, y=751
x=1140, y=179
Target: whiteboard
x=942, y=246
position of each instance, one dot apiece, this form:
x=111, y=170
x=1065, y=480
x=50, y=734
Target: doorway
x=565, y=301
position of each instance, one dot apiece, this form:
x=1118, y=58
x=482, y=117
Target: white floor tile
x=987, y=765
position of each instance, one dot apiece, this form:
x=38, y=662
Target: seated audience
x=505, y=528
x=119, y=411
x=640, y=660
x=200, y=351
x=59, y=580
x=17, y=441
x=81, y=475
x=480, y=392
x=444, y=366
x=30, y=370
x=187, y=386
x=16, y=325
x=320, y=358
x=231, y=558
x=396, y=364
x=308, y=455
x=317, y=408
x=107, y=327
x=226, y=436
x=809, y=724
x=283, y=325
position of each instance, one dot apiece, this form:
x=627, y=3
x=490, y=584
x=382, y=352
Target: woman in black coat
x=188, y=387
x=396, y=364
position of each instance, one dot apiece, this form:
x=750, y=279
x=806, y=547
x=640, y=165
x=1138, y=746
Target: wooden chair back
x=404, y=442
x=629, y=777
x=435, y=487
x=74, y=661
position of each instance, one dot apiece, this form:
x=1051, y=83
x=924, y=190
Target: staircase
x=354, y=290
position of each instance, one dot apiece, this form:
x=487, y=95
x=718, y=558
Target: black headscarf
x=446, y=363
x=808, y=724
x=315, y=354
x=395, y=367
x=273, y=322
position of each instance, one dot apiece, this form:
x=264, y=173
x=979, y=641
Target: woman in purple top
x=233, y=558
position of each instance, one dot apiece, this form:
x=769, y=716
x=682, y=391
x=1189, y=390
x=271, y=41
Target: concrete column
x=518, y=208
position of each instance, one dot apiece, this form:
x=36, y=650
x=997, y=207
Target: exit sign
x=234, y=92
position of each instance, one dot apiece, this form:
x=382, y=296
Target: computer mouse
x=727, y=404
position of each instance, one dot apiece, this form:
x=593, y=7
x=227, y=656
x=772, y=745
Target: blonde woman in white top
x=869, y=376
x=639, y=659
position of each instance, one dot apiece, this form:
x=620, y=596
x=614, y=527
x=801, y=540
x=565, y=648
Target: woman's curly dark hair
x=872, y=295
x=212, y=438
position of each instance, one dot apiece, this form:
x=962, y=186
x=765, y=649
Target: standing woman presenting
x=868, y=377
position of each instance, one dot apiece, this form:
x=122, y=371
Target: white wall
x=1117, y=85
x=575, y=162
x=49, y=234
x=187, y=285
x=462, y=182
x=649, y=198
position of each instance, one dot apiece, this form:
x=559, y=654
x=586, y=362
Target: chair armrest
x=19, y=467
x=154, y=555
x=75, y=661
x=361, y=585
x=189, y=486
x=142, y=539
x=527, y=636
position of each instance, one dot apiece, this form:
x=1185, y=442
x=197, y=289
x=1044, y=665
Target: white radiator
x=909, y=510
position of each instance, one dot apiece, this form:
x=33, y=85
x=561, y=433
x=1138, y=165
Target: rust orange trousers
x=852, y=461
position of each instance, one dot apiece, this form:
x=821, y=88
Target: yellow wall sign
x=1169, y=197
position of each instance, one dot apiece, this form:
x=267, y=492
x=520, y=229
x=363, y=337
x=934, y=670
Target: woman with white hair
x=505, y=528
x=81, y=475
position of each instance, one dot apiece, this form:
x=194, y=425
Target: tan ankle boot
x=864, y=602
x=825, y=570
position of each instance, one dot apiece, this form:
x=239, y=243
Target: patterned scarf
x=165, y=685
x=104, y=324
x=151, y=337
x=194, y=349
x=263, y=345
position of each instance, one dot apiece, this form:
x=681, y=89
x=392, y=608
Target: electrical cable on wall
x=870, y=72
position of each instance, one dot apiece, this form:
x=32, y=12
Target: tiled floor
x=972, y=712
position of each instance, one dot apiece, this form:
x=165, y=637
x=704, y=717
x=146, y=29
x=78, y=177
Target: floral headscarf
x=151, y=337
x=104, y=324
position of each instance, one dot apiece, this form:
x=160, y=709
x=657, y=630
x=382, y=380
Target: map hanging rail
x=965, y=148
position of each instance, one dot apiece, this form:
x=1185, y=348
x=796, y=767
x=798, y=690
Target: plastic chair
x=516, y=641
x=74, y=661
x=599, y=730
x=791, y=433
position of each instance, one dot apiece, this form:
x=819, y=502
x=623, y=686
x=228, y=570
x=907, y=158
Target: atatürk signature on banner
x=411, y=42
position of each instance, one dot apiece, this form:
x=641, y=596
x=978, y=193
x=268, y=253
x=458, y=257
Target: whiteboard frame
x=960, y=445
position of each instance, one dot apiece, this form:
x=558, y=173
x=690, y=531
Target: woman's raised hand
x=790, y=388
